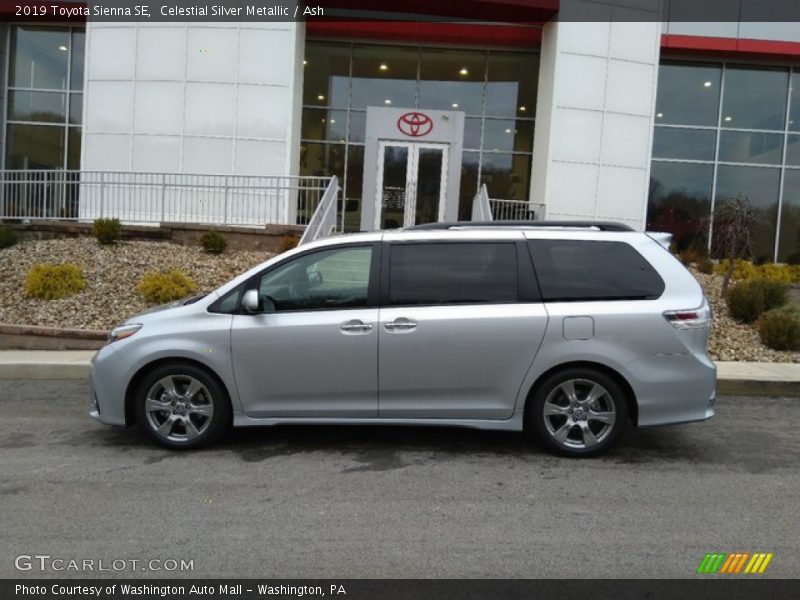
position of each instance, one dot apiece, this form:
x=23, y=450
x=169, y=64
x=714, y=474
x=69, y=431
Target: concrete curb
x=34, y=337
x=734, y=379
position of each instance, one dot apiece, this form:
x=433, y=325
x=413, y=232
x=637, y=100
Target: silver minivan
x=565, y=330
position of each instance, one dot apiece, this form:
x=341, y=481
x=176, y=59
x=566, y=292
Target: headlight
x=123, y=331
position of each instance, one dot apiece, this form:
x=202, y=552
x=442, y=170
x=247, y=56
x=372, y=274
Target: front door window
x=412, y=180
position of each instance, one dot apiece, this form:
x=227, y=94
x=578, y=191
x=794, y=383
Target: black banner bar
x=703, y=587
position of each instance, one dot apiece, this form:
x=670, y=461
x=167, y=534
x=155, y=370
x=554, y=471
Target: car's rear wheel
x=578, y=412
x=181, y=406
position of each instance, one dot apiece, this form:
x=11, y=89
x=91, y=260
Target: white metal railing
x=481, y=207
x=160, y=197
x=511, y=210
x=323, y=222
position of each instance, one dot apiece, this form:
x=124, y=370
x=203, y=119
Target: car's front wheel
x=578, y=412
x=181, y=406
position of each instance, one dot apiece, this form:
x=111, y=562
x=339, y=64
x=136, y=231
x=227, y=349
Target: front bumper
x=107, y=377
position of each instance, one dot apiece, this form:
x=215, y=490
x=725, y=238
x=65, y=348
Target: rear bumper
x=674, y=389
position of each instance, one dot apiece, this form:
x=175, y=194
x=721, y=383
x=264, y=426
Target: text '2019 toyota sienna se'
x=567, y=332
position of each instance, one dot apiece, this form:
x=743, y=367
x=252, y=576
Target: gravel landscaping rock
x=112, y=273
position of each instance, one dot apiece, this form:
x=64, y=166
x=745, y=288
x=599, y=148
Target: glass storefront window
x=384, y=76
x=793, y=150
x=512, y=81
x=789, y=248
x=680, y=201
x=449, y=77
x=326, y=75
x=689, y=144
x=35, y=147
x=742, y=152
x=44, y=97
x=750, y=147
x=507, y=176
x=759, y=186
x=754, y=98
x=688, y=94
x=495, y=89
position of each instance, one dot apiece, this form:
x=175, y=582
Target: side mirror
x=250, y=301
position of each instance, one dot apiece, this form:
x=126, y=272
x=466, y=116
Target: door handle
x=400, y=324
x=355, y=326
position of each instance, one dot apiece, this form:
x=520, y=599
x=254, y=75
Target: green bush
x=8, y=237
x=706, y=266
x=107, y=231
x=780, y=328
x=287, y=242
x=159, y=287
x=50, y=282
x=749, y=299
x=213, y=242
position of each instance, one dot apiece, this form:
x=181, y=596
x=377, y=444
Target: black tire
x=565, y=431
x=190, y=428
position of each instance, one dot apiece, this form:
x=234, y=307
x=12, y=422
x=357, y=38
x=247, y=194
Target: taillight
x=691, y=318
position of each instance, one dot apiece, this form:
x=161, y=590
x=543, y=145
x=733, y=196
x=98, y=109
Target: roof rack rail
x=601, y=225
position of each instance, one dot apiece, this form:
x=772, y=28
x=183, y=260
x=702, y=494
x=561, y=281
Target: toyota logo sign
x=415, y=124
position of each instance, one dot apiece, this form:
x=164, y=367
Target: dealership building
x=570, y=109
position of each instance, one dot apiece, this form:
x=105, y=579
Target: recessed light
x=728, y=118
x=659, y=115
x=522, y=109
x=508, y=131
x=387, y=101
x=707, y=84
x=305, y=62
x=454, y=105
x=62, y=48
x=464, y=71
x=384, y=67
x=333, y=121
x=320, y=97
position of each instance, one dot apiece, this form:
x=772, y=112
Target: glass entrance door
x=411, y=182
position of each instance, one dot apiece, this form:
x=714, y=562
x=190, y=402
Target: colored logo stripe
x=733, y=563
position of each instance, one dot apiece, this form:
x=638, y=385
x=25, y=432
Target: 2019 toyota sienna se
x=567, y=331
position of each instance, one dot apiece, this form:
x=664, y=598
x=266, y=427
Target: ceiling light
x=521, y=109
x=454, y=105
x=508, y=131
x=659, y=115
x=707, y=84
x=62, y=48
x=464, y=71
x=333, y=121
x=384, y=67
x=728, y=118
x=320, y=97
x=387, y=101
x=305, y=62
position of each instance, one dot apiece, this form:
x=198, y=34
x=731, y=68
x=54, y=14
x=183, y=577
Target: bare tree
x=734, y=222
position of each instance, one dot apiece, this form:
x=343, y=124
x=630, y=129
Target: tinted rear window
x=586, y=270
x=453, y=273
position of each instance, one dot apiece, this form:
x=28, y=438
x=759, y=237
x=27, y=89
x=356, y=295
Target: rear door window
x=452, y=273
x=575, y=270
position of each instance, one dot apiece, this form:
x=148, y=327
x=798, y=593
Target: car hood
x=177, y=304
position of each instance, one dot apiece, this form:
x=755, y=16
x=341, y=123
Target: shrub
x=692, y=256
x=213, y=242
x=164, y=287
x=50, y=282
x=779, y=273
x=779, y=329
x=287, y=242
x=742, y=269
x=8, y=237
x=107, y=231
x=706, y=266
x=748, y=299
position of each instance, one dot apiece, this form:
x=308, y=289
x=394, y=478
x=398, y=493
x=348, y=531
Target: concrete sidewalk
x=733, y=378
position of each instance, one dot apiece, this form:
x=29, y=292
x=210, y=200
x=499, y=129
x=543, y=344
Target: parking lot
x=396, y=502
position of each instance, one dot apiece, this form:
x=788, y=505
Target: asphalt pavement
x=393, y=502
